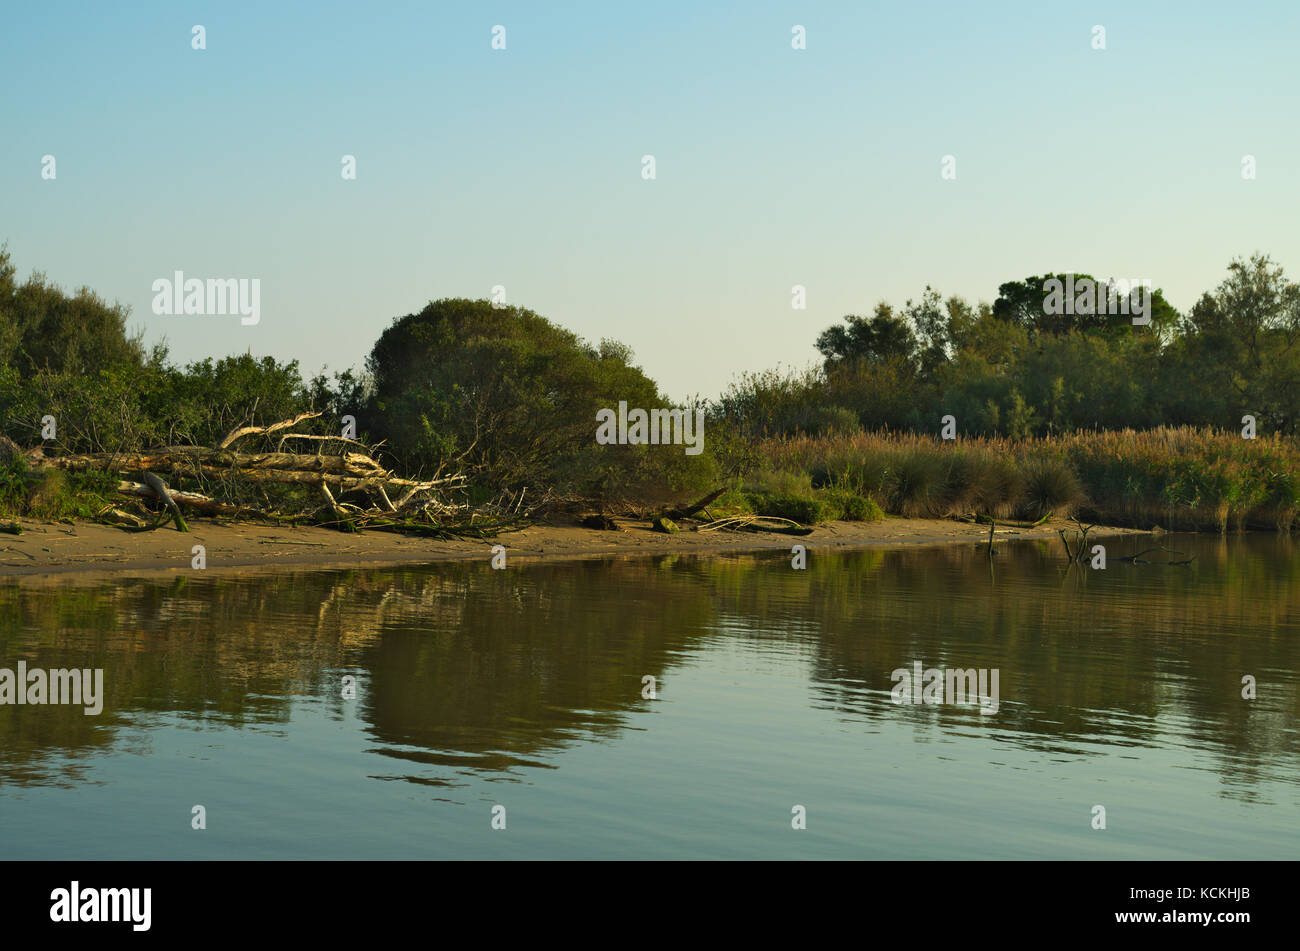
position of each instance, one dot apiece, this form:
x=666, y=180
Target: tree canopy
x=510, y=393
x=43, y=328
x=1014, y=368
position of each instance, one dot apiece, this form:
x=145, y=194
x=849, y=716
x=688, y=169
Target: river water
x=409, y=713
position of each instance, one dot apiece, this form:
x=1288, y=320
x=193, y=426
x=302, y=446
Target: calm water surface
x=523, y=688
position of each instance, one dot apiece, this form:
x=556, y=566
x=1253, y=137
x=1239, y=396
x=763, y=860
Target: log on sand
x=160, y=489
x=347, y=470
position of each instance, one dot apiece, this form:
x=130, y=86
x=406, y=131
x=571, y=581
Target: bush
x=832, y=420
x=1051, y=488
x=982, y=482
x=856, y=508
x=918, y=477
x=43, y=328
x=806, y=510
x=787, y=482
x=53, y=493
x=514, y=398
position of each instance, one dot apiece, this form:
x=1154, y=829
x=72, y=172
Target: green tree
x=1025, y=304
x=880, y=338
x=43, y=328
x=514, y=397
x=1241, y=349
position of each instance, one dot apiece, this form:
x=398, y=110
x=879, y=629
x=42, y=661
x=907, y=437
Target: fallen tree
x=391, y=502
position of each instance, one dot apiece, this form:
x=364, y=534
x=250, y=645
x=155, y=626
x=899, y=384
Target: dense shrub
x=514, y=397
x=856, y=508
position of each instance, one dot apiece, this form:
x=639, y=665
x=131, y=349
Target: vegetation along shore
x=470, y=421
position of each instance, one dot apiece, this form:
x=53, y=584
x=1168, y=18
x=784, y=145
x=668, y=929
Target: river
x=457, y=711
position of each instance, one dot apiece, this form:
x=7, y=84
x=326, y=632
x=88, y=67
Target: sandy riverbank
x=53, y=548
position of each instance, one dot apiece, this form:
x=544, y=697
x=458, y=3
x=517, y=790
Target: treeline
x=1011, y=369
x=497, y=392
x=510, y=398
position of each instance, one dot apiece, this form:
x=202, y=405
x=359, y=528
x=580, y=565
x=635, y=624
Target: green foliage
x=14, y=487
x=1178, y=478
x=981, y=482
x=214, y=397
x=498, y=391
x=119, y=408
x=772, y=402
x=42, y=328
x=880, y=338
x=785, y=493
x=1011, y=369
x=514, y=398
x=806, y=510
x=53, y=493
x=855, y=508
x=1023, y=303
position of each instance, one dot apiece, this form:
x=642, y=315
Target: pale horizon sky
x=522, y=167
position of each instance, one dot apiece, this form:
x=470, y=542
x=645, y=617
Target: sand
x=56, y=548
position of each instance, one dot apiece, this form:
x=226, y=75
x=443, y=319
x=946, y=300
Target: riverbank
x=57, y=548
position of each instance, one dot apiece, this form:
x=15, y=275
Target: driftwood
x=1081, y=553
x=201, y=503
x=160, y=490
x=974, y=519
x=993, y=526
x=691, y=509
x=1139, y=560
x=242, y=431
x=342, y=521
x=755, y=523
x=187, y=458
x=349, y=471
x=1069, y=555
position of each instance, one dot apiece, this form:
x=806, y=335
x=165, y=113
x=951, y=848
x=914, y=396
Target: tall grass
x=1180, y=479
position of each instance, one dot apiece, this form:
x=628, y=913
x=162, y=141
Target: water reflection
x=464, y=670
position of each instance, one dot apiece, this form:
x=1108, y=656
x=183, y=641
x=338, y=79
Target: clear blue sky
x=522, y=167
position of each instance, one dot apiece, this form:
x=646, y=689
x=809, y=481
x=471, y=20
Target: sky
x=522, y=167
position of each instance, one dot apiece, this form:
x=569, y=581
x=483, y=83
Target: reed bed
x=1178, y=478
